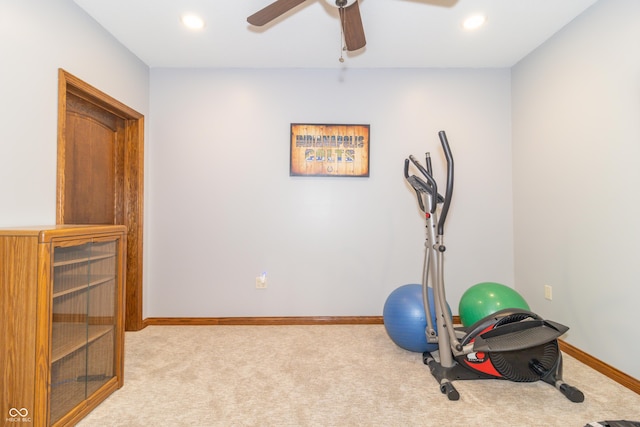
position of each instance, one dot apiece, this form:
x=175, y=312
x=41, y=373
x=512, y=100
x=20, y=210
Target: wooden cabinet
x=62, y=324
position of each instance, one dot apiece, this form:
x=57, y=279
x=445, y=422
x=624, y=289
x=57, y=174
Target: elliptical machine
x=511, y=344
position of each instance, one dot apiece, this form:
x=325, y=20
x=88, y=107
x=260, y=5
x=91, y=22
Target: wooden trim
x=62, y=146
x=295, y=320
x=44, y=298
x=133, y=217
x=72, y=84
x=601, y=367
x=598, y=365
x=267, y=321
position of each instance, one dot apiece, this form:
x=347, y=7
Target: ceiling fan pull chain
x=342, y=47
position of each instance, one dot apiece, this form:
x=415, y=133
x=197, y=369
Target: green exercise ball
x=484, y=299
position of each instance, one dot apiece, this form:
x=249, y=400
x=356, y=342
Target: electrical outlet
x=548, y=292
x=261, y=281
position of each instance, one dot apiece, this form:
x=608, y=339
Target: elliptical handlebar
x=420, y=186
x=449, y=189
x=431, y=187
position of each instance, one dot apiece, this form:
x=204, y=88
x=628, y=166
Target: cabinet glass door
x=101, y=320
x=83, y=322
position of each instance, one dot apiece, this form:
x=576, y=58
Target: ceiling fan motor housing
x=343, y=3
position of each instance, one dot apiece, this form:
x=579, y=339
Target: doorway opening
x=100, y=173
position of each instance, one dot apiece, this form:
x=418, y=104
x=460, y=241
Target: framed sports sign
x=329, y=150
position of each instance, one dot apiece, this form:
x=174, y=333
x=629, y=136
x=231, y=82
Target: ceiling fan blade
x=352, y=27
x=271, y=12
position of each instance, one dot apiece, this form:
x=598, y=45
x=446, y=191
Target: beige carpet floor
x=330, y=375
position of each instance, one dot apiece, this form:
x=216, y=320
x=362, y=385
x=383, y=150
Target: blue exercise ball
x=405, y=320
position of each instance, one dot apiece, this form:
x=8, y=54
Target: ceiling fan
x=350, y=19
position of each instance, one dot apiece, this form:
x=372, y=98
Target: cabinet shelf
x=83, y=259
x=81, y=334
x=80, y=286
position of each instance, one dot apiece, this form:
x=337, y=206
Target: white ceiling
x=400, y=33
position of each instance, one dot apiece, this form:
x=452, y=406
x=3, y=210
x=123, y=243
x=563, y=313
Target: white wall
x=576, y=131
x=37, y=38
x=223, y=207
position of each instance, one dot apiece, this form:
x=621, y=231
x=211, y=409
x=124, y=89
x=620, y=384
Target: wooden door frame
x=133, y=180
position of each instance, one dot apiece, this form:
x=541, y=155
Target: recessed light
x=192, y=22
x=474, y=22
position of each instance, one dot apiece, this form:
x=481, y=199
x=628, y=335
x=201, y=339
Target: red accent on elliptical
x=483, y=365
x=480, y=360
